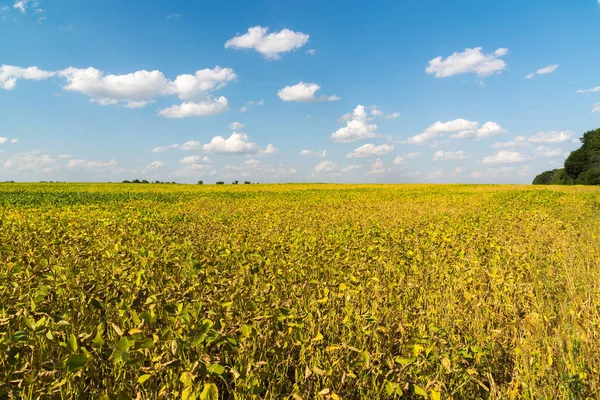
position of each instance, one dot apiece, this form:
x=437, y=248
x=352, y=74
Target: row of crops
x=299, y=291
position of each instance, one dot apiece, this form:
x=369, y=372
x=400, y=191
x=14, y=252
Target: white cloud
x=351, y=167
x=325, y=166
x=469, y=61
x=269, y=150
x=393, y=115
x=191, y=109
x=96, y=166
x=596, y=108
x=269, y=45
x=154, y=165
x=449, y=155
x=551, y=137
x=160, y=149
x=594, y=89
x=251, y=104
x=398, y=160
x=195, y=170
x=303, y=92
x=313, y=153
x=504, y=156
x=9, y=74
x=410, y=156
x=511, y=144
x=253, y=162
x=378, y=167
x=236, y=126
x=543, y=71
x=65, y=27
x=356, y=129
x=32, y=160
x=545, y=151
x=173, y=16
x=237, y=143
x=370, y=150
x=195, y=86
x=376, y=112
x=41, y=19
x=21, y=5
x=191, y=145
x=136, y=87
x=312, y=52
x=5, y=140
x=464, y=129
x=459, y=170
x=488, y=129
x=195, y=160
x=65, y=156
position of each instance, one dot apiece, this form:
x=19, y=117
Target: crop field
x=121, y=291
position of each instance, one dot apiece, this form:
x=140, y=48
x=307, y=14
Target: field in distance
x=299, y=291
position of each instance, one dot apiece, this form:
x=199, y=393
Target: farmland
x=299, y=291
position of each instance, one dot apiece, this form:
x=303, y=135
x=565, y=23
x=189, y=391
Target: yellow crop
x=299, y=291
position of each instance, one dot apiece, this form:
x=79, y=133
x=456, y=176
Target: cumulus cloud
x=325, y=166
x=95, y=166
x=21, y=5
x=237, y=143
x=313, y=153
x=160, y=149
x=596, y=109
x=65, y=156
x=551, y=137
x=251, y=104
x=504, y=157
x=548, y=152
x=269, y=150
x=270, y=45
x=356, y=128
x=594, y=89
x=378, y=168
x=519, y=141
x=375, y=112
x=199, y=109
x=543, y=71
x=469, y=61
x=189, y=87
x=462, y=128
x=370, y=150
x=154, y=165
x=312, y=52
x=236, y=126
x=195, y=160
x=10, y=74
x=449, y=155
x=304, y=93
x=5, y=140
x=30, y=161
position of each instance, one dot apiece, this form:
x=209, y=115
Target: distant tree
x=220, y=183
x=247, y=182
x=200, y=183
x=234, y=182
x=145, y=181
x=126, y=181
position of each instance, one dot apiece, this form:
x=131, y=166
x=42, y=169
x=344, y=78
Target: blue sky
x=274, y=91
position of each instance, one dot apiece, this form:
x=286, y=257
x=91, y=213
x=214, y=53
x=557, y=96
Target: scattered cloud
x=65, y=27
x=195, y=160
x=551, y=137
x=304, y=93
x=462, y=128
x=251, y=104
x=543, y=71
x=325, y=166
x=154, y=165
x=10, y=74
x=357, y=128
x=469, y=61
x=191, y=109
x=596, y=109
x=269, y=45
x=160, y=149
x=269, y=150
x=519, y=141
x=449, y=155
x=5, y=140
x=40, y=20
x=65, y=156
x=110, y=166
x=189, y=87
x=375, y=113
x=547, y=152
x=21, y=5
x=313, y=153
x=370, y=150
x=173, y=16
x=504, y=157
x=312, y=52
x=594, y=89
x=237, y=143
x=30, y=161
x=236, y=126
x=378, y=168
x=191, y=145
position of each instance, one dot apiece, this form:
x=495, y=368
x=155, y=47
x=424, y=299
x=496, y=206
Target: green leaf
x=435, y=395
x=76, y=362
x=246, y=330
x=216, y=369
x=72, y=343
x=187, y=379
x=144, y=378
x=209, y=392
x=421, y=392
